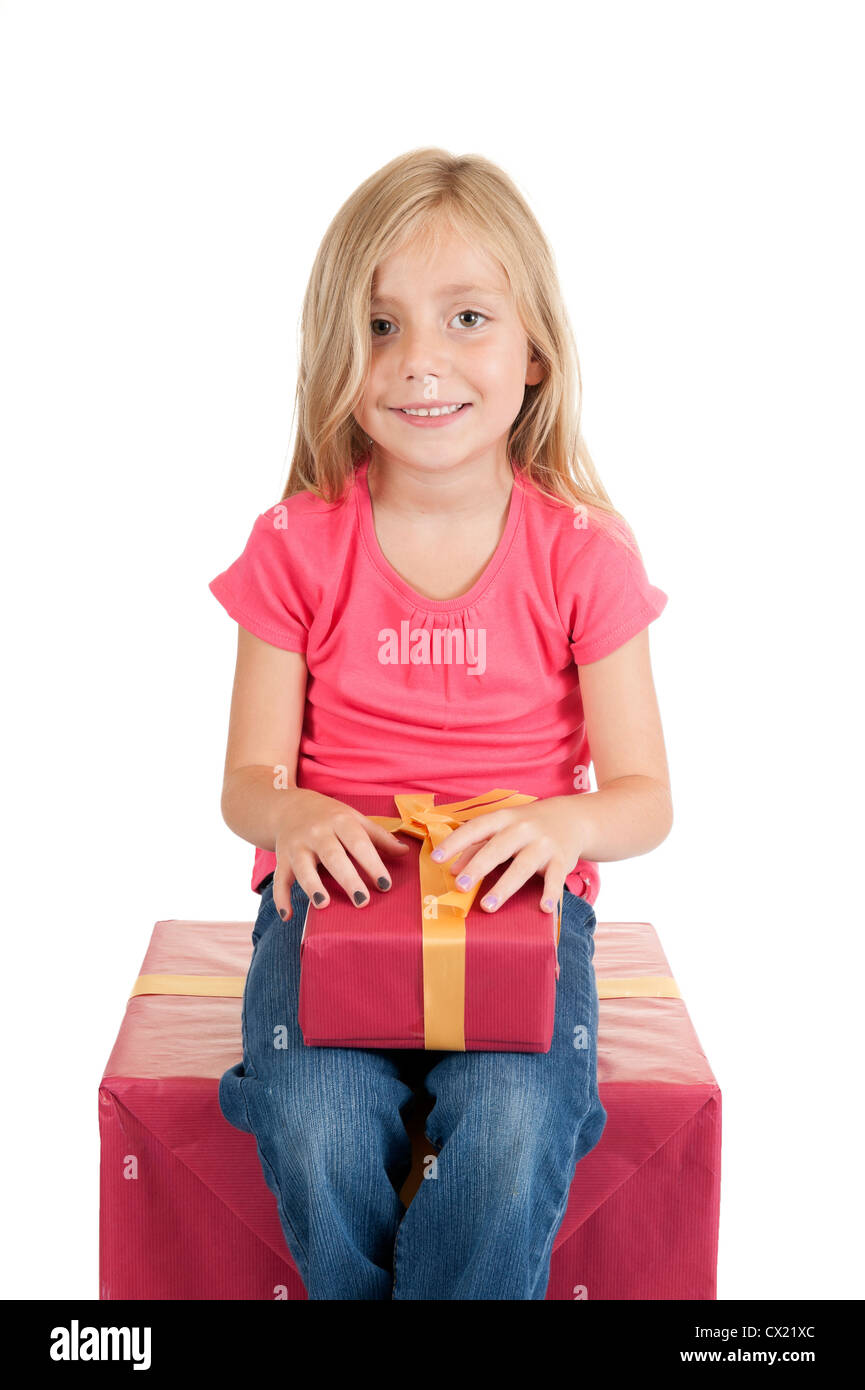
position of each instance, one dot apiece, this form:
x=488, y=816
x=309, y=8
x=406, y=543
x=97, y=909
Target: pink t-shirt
x=452, y=696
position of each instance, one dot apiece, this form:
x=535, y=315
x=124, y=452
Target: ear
x=535, y=370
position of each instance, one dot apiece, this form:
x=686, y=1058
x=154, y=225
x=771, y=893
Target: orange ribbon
x=231, y=986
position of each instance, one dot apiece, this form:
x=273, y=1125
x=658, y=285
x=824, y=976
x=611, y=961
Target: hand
x=315, y=827
x=542, y=837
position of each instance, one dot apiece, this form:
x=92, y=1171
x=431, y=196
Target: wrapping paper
x=185, y=1212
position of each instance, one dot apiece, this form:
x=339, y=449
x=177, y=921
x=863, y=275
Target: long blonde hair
x=413, y=198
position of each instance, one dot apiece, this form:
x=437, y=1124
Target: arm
x=632, y=810
x=301, y=827
x=267, y=706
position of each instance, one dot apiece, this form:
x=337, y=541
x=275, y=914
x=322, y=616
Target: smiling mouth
x=433, y=410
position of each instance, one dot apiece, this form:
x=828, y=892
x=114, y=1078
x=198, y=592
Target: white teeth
x=436, y=410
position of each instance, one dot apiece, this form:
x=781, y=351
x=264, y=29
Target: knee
x=507, y=1120
x=319, y=1129
x=516, y=1128
x=297, y=1112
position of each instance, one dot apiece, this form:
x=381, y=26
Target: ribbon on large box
x=231, y=986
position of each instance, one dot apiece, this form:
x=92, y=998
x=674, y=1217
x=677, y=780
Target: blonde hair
x=412, y=199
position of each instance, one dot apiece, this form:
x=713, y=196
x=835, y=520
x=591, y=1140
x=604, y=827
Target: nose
x=424, y=352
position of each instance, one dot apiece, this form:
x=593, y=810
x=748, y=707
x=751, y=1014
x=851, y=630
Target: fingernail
x=438, y=855
x=464, y=881
x=490, y=900
x=359, y=897
x=318, y=898
x=548, y=904
x=283, y=914
x=383, y=882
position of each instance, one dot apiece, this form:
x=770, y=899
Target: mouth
x=432, y=412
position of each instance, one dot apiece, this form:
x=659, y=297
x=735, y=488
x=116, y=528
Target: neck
x=444, y=492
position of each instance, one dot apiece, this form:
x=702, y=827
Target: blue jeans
x=510, y=1127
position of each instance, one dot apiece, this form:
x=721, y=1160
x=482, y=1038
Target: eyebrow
x=447, y=290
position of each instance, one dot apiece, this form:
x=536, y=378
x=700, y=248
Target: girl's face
x=444, y=331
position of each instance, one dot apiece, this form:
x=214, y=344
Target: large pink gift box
x=185, y=1212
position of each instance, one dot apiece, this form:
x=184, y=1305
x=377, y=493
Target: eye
x=373, y=323
x=471, y=313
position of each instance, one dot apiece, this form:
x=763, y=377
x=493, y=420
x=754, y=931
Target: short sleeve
x=606, y=597
x=263, y=589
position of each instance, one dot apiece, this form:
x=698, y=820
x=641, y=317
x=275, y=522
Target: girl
x=439, y=486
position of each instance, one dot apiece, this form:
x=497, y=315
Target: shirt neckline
x=396, y=581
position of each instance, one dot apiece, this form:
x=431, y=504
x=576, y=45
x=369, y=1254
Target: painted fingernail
x=383, y=882
x=464, y=881
x=359, y=897
x=490, y=900
x=283, y=914
x=318, y=898
x=438, y=855
x=548, y=904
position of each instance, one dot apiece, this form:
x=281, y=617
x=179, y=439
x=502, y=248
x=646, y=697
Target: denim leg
x=327, y=1123
x=511, y=1128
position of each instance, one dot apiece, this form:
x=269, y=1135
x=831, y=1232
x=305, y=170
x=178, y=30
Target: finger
x=343, y=870
x=383, y=840
x=306, y=868
x=306, y=872
x=502, y=846
x=553, y=890
x=283, y=878
x=355, y=837
x=466, y=836
x=457, y=865
x=515, y=875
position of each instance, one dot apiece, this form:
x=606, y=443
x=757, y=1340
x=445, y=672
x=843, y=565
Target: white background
x=167, y=171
